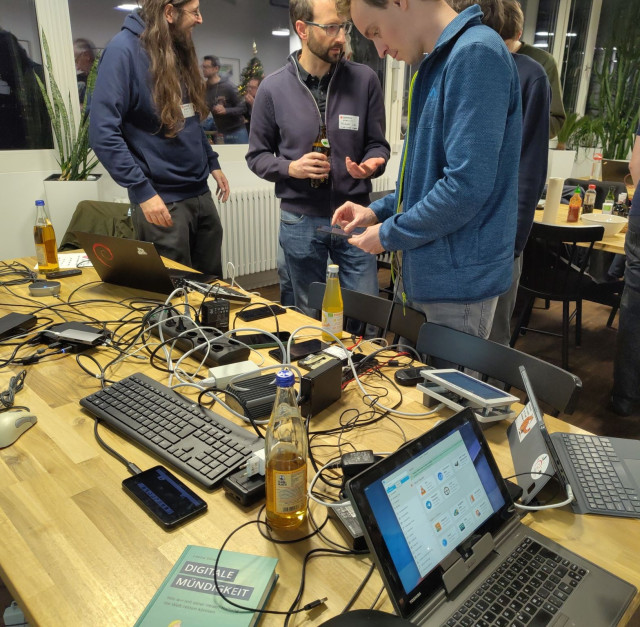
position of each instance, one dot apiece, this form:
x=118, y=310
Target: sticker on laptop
x=525, y=422
x=540, y=466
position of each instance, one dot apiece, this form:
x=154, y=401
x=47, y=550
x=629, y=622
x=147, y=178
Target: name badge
x=349, y=122
x=187, y=110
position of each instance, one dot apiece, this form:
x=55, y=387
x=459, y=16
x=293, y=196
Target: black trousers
x=195, y=239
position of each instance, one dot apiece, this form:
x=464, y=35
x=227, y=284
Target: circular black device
x=44, y=288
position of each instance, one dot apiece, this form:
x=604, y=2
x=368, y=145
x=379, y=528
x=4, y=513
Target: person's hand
x=249, y=99
x=223, y=185
x=365, y=169
x=350, y=216
x=156, y=212
x=369, y=241
x=313, y=165
x=219, y=110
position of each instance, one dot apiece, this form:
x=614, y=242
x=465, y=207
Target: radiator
x=251, y=219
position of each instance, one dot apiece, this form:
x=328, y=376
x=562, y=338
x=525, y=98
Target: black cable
x=8, y=396
x=133, y=469
x=359, y=589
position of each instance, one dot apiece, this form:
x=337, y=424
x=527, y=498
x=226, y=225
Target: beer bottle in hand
x=321, y=144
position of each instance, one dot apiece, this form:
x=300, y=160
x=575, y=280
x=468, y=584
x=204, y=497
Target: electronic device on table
x=261, y=340
x=458, y=390
x=299, y=350
x=603, y=472
x=200, y=443
x=442, y=530
x=216, y=290
x=262, y=311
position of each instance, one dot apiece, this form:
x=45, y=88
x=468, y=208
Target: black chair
x=556, y=388
x=554, y=264
x=374, y=310
x=602, y=188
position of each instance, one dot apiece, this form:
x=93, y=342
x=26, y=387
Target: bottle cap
x=333, y=267
x=285, y=378
x=592, y=186
x=39, y=202
x=577, y=190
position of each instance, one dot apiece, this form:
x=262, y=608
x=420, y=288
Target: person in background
x=249, y=99
x=558, y=115
x=319, y=87
x=625, y=397
x=534, y=151
x=85, y=55
x=145, y=129
x=453, y=213
x=224, y=102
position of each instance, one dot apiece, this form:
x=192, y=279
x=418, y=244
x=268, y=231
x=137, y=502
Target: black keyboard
x=595, y=463
x=197, y=441
x=527, y=589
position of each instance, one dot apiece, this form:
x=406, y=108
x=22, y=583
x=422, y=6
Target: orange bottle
x=575, y=204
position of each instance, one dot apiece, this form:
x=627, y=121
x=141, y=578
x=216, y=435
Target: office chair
x=102, y=218
x=554, y=264
x=555, y=387
x=379, y=312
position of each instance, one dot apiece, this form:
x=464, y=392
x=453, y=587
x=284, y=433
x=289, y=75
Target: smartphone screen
x=163, y=496
x=300, y=350
x=261, y=340
x=334, y=230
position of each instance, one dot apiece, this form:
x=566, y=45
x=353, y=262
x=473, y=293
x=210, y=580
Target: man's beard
x=182, y=46
x=323, y=52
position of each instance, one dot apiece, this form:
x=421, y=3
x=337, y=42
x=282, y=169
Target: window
x=574, y=52
x=24, y=122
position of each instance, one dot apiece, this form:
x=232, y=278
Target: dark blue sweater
x=534, y=152
x=125, y=131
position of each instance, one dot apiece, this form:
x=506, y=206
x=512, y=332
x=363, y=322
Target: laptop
x=614, y=170
x=603, y=472
x=450, y=547
x=134, y=263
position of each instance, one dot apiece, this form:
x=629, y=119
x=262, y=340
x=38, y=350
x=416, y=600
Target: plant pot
x=63, y=197
x=561, y=163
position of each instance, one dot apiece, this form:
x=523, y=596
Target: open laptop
x=604, y=473
x=133, y=263
x=442, y=529
x=614, y=170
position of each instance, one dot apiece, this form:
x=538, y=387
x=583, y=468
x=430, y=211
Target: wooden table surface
x=612, y=244
x=75, y=551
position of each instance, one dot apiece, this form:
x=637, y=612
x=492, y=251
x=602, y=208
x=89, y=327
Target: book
x=188, y=595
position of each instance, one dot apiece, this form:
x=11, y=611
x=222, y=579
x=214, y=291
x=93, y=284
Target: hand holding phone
x=334, y=230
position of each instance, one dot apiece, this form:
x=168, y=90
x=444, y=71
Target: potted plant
x=75, y=181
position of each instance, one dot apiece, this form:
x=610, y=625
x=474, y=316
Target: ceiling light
x=280, y=32
x=544, y=33
x=572, y=34
x=541, y=44
x=126, y=7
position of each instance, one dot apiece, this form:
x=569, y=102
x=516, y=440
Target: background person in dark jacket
x=319, y=87
x=153, y=145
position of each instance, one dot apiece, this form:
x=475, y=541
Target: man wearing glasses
x=319, y=88
x=145, y=129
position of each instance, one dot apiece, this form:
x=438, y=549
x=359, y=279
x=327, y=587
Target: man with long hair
x=145, y=128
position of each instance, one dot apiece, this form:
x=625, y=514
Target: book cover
x=188, y=595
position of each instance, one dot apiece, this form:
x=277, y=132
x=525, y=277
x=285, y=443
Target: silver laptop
x=133, y=263
x=450, y=547
x=614, y=170
x=603, y=472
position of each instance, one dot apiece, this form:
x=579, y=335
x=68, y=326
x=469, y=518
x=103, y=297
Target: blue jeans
x=286, y=289
x=239, y=136
x=306, y=252
x=472, y=318
x=626, y=363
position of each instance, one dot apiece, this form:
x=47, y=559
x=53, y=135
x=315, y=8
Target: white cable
x=535, y=508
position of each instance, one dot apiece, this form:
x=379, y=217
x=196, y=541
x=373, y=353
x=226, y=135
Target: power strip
x=188, y=334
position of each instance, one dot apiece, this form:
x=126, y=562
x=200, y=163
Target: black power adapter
x=347, y=525
x=320, y=387
x=215, y=313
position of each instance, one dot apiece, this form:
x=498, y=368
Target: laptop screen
x=420, y=507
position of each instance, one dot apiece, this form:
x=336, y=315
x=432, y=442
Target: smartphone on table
x=299, y=350
x=261, y=340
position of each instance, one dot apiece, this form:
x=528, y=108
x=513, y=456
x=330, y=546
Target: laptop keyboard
x=594, y=460
x=199, y=442
x=527, y=589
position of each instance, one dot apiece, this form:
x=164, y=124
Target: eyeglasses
x=332, y=29
x=195, y=12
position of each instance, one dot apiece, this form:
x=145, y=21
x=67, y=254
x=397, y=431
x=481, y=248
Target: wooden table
x=612, y=244
x=75, y=551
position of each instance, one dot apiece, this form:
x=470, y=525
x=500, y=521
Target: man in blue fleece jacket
x=145, y=129
x=318, y=87
x=453, y=213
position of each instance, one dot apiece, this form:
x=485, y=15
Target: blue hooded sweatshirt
x=125, y=131
x=458, y=223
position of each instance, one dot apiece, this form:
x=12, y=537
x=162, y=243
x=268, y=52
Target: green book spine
x=188, y=596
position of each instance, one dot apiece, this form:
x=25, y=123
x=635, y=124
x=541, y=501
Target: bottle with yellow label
x=45, y=240
x=332, y=307
x=286, y=451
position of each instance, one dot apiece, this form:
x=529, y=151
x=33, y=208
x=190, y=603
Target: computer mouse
x=13, y=424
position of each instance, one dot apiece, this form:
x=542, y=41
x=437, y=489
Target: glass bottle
x=45, y=240
x=574, y=206
x=286, y=458
x=589, y=200
x=332, y=306
x=607, y=205
x=321, y=144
